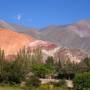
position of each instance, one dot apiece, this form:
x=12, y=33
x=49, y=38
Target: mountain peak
x=84, y=22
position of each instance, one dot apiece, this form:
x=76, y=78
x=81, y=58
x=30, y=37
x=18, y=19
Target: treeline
x=28, y=68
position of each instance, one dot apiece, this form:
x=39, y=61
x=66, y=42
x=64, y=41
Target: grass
x=10, y=88
x=42, y=87
x=48, y=87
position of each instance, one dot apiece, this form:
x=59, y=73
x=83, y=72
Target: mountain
x=59, y=53
x=32, y=32
x=73, y=38
x=11, y=42
x=19, y=28
x=74, y=55
x=75, y=35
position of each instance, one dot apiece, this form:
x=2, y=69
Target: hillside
x=11, y=41
x=75, y=35
x=19, y=28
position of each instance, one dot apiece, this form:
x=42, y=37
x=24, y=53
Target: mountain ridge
x=76, y=35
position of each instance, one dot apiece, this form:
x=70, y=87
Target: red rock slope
x=11, y=41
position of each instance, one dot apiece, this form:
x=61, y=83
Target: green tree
x=82, y=81
x=41, y=70
x=21, y=65
x=38, y=56
x=86, y=63
x=33, y=82
x=50, y=63
x=65, y=69
x=83, y=66
x=2, y=65
x=50, y=60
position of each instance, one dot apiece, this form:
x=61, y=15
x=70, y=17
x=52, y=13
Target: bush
x=61, y=83
x=33, y=82
x=82, y=80
x=42, y=70
x=50, y=60
x=14, y=72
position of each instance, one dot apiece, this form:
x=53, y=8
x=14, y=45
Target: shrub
x=61, y=83
x=50, y=60
x=41, y=70
x=33, y=82
x=15, y=71
x=82, y=80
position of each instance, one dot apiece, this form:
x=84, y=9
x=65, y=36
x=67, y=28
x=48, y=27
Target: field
x=18, y=88
x=40, y=88
x=10, y=88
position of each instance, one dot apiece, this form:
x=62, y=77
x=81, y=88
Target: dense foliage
x=33, y=81
x=82, y=80
x=30, y=68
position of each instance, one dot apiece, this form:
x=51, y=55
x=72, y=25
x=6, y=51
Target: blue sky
x=41, y=13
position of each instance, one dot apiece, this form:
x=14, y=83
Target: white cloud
x=20, y=17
